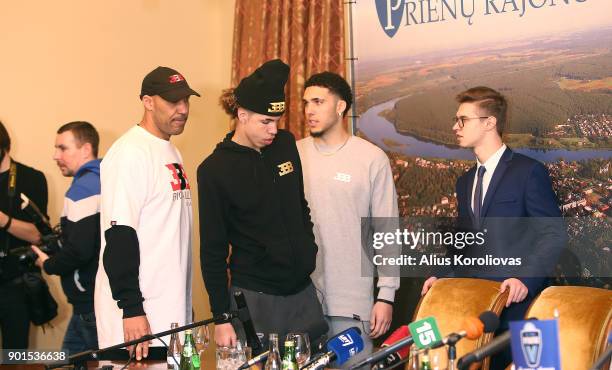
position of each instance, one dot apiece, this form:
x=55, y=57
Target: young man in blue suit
x=505, y=184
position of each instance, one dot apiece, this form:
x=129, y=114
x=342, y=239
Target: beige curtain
x=308, y=35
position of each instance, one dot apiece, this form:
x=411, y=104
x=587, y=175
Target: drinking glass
x=302, y=347
x=230, y=358
x=202, y=338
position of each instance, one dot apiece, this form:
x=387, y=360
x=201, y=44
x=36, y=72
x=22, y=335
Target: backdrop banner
x=552, y=59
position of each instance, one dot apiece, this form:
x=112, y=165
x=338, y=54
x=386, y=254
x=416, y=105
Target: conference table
x=116, y=365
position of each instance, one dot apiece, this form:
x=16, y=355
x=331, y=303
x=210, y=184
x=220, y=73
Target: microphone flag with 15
x=473, y=328
x=425, y=332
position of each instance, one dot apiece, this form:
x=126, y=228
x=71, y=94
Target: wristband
x=8, y=224
x=384, y=301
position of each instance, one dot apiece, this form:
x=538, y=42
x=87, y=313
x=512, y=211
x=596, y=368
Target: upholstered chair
x=585, y=319
x=453, y=300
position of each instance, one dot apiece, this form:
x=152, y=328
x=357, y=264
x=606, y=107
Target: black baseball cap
x=263, y=91
x=167, y=83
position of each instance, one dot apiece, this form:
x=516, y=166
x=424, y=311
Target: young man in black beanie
x=251, y=196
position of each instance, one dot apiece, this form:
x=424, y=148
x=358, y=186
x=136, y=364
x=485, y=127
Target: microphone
x=398, y=345
x=245, y=318
x=340, y=348
x=496, y=345
x=487, y=322
x=254, y=360
x=606, y=355
x=79, y=359
x=396, y=357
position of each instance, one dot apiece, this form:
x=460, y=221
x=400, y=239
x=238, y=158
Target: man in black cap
x=251, y=196
x=144, y=283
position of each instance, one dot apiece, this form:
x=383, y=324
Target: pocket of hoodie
x=277, y=255
x=306, y=255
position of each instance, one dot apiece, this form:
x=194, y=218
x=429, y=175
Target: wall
x=83, y=60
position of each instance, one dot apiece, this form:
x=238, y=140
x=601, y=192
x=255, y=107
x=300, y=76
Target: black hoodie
x=255, y=202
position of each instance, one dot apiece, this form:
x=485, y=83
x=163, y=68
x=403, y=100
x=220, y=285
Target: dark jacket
x=33, y=184
x=255, y=202
x=521, y=215
x=77, y=260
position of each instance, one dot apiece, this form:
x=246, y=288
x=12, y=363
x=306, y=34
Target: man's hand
x=3, y=219
x=428, y=284
x=225, y=336
x=380, y=319
x=42, y=256
x=518, y=290
x=21, y=229
x=135, y=328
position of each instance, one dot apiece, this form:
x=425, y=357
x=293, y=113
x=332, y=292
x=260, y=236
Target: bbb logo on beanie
x=263, y=91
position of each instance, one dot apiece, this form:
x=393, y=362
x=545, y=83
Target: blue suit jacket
x=520, y=188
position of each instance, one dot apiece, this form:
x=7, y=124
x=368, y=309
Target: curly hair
x=227, y=101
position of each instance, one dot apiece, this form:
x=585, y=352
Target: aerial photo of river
x=376, y=128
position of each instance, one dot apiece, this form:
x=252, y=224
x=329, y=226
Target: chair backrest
x=585, y=319
x=453, y=300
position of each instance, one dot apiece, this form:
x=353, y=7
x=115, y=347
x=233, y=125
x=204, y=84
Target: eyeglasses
x=460, y=121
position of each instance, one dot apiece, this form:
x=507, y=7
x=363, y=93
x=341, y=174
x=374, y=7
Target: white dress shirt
x=490, y=166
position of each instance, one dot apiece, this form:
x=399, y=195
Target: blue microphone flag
x=535, y=344
x=346, y=344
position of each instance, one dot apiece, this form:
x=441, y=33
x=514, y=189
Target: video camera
x=51, y=237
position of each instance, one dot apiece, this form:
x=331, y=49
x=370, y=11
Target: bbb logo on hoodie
x=180, y=183
x=285, y=168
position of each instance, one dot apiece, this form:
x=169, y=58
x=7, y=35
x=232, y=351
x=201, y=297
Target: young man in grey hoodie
x=346, y=179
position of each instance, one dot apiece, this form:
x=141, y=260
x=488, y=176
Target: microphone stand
x=401, y=362
x=383, y=353
x=80, y=359
x=602, y=360
x=452, y=350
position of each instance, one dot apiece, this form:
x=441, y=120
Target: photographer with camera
x=75, y=257
x=17, y=232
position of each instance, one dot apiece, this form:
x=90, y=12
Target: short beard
x=318, y=134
